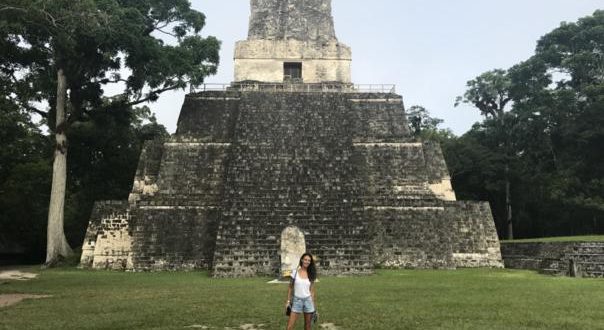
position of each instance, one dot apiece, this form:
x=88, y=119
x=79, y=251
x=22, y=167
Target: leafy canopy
x=95, y=42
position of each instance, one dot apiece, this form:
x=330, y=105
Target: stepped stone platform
x=577, y=259
x=245, y=165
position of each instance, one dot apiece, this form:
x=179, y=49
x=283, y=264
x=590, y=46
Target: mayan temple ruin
x=291, y=156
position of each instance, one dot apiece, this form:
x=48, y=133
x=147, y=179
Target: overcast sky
x=428, y=48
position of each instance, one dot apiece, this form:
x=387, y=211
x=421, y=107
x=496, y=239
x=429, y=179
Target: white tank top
x=301, y=285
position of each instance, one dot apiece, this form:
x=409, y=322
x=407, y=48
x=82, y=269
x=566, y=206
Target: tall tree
x=419, y=120
x=576, y=52
x=490, y=93
x=64, y=53
x=554, y=131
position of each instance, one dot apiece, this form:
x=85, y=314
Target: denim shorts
x=302, y=305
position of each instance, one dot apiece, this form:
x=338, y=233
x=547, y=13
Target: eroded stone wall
x=409, y=237
x=208, y=117
x=291, y=19
x=474, y=237
x=291, y=167
x=556, y=258
x=243, y=166
x=108, y=243
x=174, y=237
x=439, y=181
x=147, y=172
x=299, y=31
x=263, y=60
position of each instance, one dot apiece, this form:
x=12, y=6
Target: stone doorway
x=293, y=246
x=292, y=71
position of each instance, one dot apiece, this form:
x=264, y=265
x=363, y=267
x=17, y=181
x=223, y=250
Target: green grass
x=559, y=239
x=405, y=299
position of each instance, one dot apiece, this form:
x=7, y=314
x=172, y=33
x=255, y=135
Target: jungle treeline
x=537, y=156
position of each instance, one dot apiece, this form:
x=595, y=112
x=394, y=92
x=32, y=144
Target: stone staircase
x=589, y=259
x=291, y=168
x=581, y=259
x=339, y=166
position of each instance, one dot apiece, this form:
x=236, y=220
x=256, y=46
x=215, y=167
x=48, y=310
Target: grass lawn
x=599, y=238
x=405, y=299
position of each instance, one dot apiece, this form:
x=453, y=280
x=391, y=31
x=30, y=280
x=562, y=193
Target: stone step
x=259, y=250
x=586, y=255
x=324, y=251
x=590, y=263
x=596, y=274
x=550, y=271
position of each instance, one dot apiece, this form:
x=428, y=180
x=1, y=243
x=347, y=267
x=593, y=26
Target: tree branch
x=50, y=18
x=39, y=112
x=167, y=33
x=152, y=95
x=33, y=109
x=13, y=8
x=112, y=81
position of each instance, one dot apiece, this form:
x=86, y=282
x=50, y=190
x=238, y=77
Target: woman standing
x=302, y=286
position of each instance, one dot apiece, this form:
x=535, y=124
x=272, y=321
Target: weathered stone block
x=291, y=19
x=581, y=259
x=251, y=161
x=339, y=166
x=292, y=31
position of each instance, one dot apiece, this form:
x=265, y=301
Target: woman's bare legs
x=307, y=321
x=292, y=320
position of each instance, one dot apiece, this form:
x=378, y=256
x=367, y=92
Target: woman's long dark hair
x=312, y=268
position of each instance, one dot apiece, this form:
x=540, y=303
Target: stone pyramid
x=292, y=143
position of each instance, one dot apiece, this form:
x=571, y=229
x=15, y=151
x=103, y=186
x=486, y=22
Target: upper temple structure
x=291, y=157
x=292, y=40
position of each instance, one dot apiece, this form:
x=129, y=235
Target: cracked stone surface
x=291, y=19
x=243, y=166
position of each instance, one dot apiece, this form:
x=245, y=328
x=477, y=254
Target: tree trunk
x=56, y=244
x=508, y=203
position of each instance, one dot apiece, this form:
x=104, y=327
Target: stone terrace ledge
x=325, y=87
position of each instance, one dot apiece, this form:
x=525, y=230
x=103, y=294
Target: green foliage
x=100, y=45
x=425, y=127
x=101, y=166
x=24, y=199
x=93, y=41
x=403, y=299
x=551, y=131
x=25, y=172
x=489, y=92
x=22, y=141
x=576, y=49
x=419, y=120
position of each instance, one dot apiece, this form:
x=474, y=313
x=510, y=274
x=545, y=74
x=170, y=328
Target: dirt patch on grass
x=16, y=275
x=242, y=327
x=247, y=327
x=251, y=327
x=11, y=299
x=328, y=326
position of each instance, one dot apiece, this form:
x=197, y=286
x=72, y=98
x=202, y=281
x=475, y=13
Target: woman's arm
x=289, y=293
x=313, y=294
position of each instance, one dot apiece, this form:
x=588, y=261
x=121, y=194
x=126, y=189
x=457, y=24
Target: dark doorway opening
x=292, y=71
